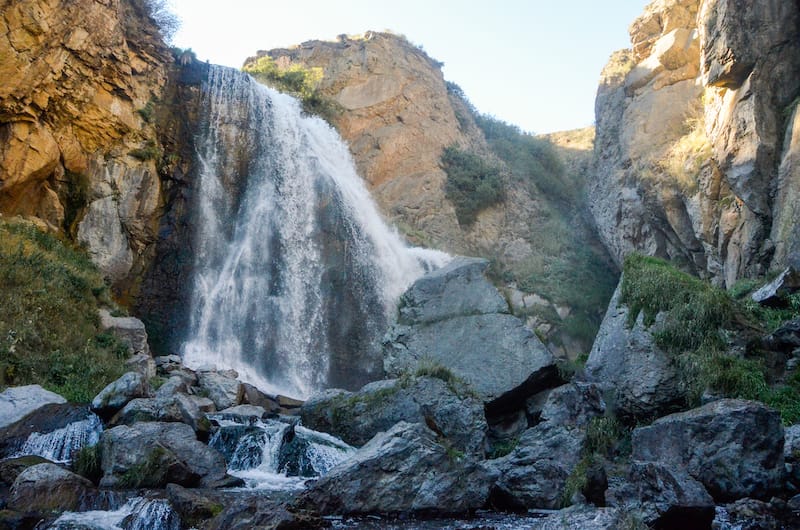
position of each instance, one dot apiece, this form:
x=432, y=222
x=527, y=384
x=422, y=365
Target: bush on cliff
x=473, y=184
x=49, y=325
x=700, y=325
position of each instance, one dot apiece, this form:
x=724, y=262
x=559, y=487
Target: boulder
x=455, y=317
x=143, y=363
x=645, y=377
x=153, y=454
x=172, y=386
x=356, y=417
x=118, y=393
x=17, y=402
x=457, y=289
x=224, y=391
x=534, y=474
x=42, y=421
x=308, y=453
x=11, y=468
x=244, y=512
x=242, y=413
x=733, y=447
x=791, y=454
x=785, y=339
x=405, y=470
x=48, y=487
x=664, y=497
x=176, y=408
x=129, y=330
x=773, y=294
x=253, y=396
x=193, y=506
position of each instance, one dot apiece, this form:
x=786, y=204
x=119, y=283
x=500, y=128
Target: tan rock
x=29, y=153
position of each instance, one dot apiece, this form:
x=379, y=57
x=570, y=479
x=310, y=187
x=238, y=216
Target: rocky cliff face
x=695, y=152
x=77, y=150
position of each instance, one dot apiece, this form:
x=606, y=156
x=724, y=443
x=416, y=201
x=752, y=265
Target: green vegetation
x=603, y=435
x=148, y=473
x=457, y=385
x=146, y=112
x=297, y=80
x=698, y=325
x=502, y=448
x=473, y=184
x=150, y=151
x=49, y=299
x=87, y=462
x=76, y=199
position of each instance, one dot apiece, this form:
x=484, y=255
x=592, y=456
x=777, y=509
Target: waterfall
x=138, y=513
x=59, y=445
x=296, y=275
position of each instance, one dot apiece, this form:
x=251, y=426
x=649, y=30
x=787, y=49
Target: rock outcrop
x=456, y=318
x=694, y=139
x=78, y=153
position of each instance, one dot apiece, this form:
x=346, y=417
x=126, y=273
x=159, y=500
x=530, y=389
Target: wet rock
x=644, y=377
x=752, y=514
x=12, y=467
x=194, y=506
x=48, y=487
x=224, y=391
x=117, y=394
x=405, y=470
x=17, y=402
x=733, y=447
x=253, y=396
x=176, y=408
x=43, y=420
x=663, y=497
x=587, y=518
x=307, y=453
x=356, y=417
x=242, y=413
x=154, y=454
x=246, y=512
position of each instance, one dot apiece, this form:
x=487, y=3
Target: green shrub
x=503, y=448
x=698, y=323
x=49, y=299
x=473, y=184
x=87, y=462
x=149, y=473
x=150, y=151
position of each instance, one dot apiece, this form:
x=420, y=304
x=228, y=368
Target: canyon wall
x=695, y=158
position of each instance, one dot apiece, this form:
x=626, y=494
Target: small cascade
x=60, y=445
x=275, y=455
x=296, y=275
x=138, y=513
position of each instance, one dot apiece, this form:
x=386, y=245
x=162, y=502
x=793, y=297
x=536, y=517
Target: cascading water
x=61, y=444
x=138, y=513
x=295, y=272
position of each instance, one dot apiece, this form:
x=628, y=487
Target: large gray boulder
x=176, y=408
x=457, y=289
x=48, y=487
x=129, y=330
x=406, y=470
x=43, y=421
x=19, y=401
x=455, y=317
x=534, y=474
x=356, y=417
x=117, y=394
x=154, y=454
x=733, y=447
x=224, y=391
x=772, y=294
x=664, y=497
x=645, y=378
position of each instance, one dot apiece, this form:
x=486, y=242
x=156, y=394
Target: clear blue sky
x=534, y=63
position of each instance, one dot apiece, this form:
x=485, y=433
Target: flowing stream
x=296, y=275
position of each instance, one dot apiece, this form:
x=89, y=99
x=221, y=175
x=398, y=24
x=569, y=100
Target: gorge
x=197, y=257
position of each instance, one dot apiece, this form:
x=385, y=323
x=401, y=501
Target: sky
x=533, y=63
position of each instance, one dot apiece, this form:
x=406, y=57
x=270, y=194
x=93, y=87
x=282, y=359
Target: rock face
x=690, y=138
x=644, y=377
x=402, y=471
x=356, y=417
x=116, y=394
x=456, y=318
x=75, y=81
x=18, y=402
x=733, y=447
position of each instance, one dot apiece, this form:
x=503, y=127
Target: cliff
x=389, y=101
x=696, y=138
x=78, y=151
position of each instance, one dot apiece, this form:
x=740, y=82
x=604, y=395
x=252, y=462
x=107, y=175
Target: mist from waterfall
x=295, y=272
